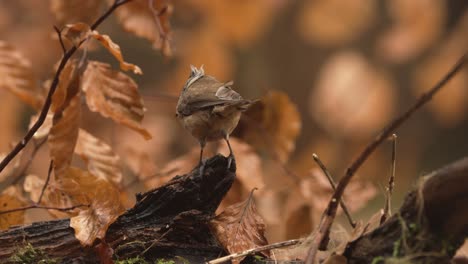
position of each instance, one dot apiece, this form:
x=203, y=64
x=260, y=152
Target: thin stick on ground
x=37, y=206
x=391, y=184
x=333, y=185
x=255, y=250
x=53, y=86
x=326, y=222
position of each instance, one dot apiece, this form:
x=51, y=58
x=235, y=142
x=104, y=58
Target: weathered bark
x=167, y=222
x=431, y=224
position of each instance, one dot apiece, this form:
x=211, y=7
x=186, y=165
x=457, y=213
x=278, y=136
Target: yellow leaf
x=138, y=18
x=239, y=227
x=101, y=159
x=114, y=49
x=16, y=75
x=63, y=135
x=11, y=199
x=271, y=124
x=115, y=95
x=105, y=206
x=73, y=11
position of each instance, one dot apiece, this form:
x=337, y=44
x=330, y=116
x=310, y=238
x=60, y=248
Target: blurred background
x=331, y=74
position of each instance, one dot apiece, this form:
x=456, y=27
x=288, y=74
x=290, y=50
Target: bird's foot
x=202, y=167
x=230, y=160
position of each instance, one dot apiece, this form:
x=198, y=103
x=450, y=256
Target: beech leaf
x=115, y=95
x=100, y=158
x=239, y=227
x=63, y=135
x=105, y=206
x=272, y=124
x=11, y=199
x=16, y=75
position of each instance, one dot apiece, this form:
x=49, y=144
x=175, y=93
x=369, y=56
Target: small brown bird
x=209, y=109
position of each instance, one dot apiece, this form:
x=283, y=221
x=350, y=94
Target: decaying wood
x=168, y=222
x=429, y=227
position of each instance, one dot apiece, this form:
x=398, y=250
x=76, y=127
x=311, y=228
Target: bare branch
x=255, y=250
x=59, y=34
x=51, y=167
x=333, y=185
x=330, y=212
x=53, y=86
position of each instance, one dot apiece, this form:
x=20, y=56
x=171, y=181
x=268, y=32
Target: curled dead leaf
x=272, y=124
x=105, y=206
x=239, y=227
x=11, y=198
x=101, y=159
x=16, y=75
x=115, y=95
x=76, y=33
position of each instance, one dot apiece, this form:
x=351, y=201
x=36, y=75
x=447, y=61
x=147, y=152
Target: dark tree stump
x=429, y=227
x=167, y=222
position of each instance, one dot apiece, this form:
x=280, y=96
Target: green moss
x=136, y=260
x=164, y=261
x=29, y=254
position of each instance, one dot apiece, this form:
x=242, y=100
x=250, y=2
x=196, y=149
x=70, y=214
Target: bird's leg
x=231, y=154
x=202, y=162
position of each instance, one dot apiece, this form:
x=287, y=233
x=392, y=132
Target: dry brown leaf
x=114, y=49
x=138, y=18
x=11, y=198
x=16, y=75
x=105, y=205
x=63, y=135
x=115, y=95
x=271, y=124
x=409, y=34
x=73, y=11
x=336, y=259
x=345, y=20
x=67, y=87
x=101, y=159
x=44, y=130
x=76, y=32
x=240, y=227
x=352, y=98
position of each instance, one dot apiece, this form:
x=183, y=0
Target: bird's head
x=195, y=74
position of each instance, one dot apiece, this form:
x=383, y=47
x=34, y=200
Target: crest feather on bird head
x=195, y=74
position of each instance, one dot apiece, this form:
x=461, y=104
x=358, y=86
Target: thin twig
x=333, y=185
x=391, y=183
x=53, y=86
x=330, y=212
x=49, y=172
x=37, y=206
x=59, y=34
x=255, y=250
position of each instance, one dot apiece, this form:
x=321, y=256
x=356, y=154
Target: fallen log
x=167, y=222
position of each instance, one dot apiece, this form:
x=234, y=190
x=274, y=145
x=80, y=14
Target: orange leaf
x=105, y=206
x=138, y=17
x=114, y=94
x=73, y=11
x=271, y=124
x=16, y=75
x=76, y=32
x=101, y=159
x=63, y=135
x=239, y=227
x=114, y=49
x=11, y=198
